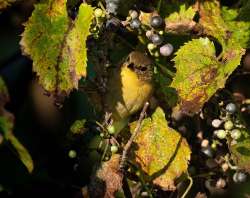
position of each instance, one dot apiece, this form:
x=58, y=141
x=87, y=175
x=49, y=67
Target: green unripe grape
x=228, y=125
x=221, y=134
x=151, y=46
x=213, y=145
x=235, y=134
x=101, y=134
x=156, y=54
x=72, y=154
x=98, y=12
x=111, y=129
x=114, y=149
x=161, y=32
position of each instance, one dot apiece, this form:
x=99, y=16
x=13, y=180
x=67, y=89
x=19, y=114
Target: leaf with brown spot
x=161, y=152
x=182, y=21
x=57, y=44
x=228, y=26
x=199, y=74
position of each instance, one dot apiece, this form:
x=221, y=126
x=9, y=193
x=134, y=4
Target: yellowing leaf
x=212, y=22
x=57, y=44
x=199, y=74
x=182, y=21
x=231, y=30
x=238, y=24
x=5, y=3
x=161, y=152
x=6, y=128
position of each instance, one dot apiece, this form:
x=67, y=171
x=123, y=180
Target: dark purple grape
x=156, y=39
x=156, y=21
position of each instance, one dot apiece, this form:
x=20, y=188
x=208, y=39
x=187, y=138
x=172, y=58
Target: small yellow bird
x=129, y=87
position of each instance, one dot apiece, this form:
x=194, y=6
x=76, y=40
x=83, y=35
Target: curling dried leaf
x=199, y=74
x=182, y=21
x=6, y=128
x=5, y=3
x=107, y=179
x=162, y=153
x=57, y=44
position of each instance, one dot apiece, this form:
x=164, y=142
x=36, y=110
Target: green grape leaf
x=199, y=73
x=240, y=151
x=6, y=128
x=239, y=25
x=182, y=21
x=5, y=3
x=244, y=11
x=57, y=44
x=161, y=152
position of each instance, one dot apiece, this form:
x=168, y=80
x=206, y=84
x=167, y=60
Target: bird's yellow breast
x=127, y=94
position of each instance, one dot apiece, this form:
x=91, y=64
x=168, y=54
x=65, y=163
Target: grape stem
x=130, y=141
x=159, y=6
x=189, y=187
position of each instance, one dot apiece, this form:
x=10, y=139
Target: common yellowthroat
x=128, y=88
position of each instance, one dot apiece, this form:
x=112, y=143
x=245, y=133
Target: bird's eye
x=131, y=66
x=143, y=68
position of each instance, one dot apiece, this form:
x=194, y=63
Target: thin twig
x=130, y=141
x=188, y=188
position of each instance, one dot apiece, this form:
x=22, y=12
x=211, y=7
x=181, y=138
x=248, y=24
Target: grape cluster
x=227, y=128
x=155, y=36
x=230, y=127
x=112, y=6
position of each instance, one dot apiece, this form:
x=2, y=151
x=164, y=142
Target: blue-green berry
x=135, y=23
x=207, y=151
x=239, y=177
x=231, y=108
